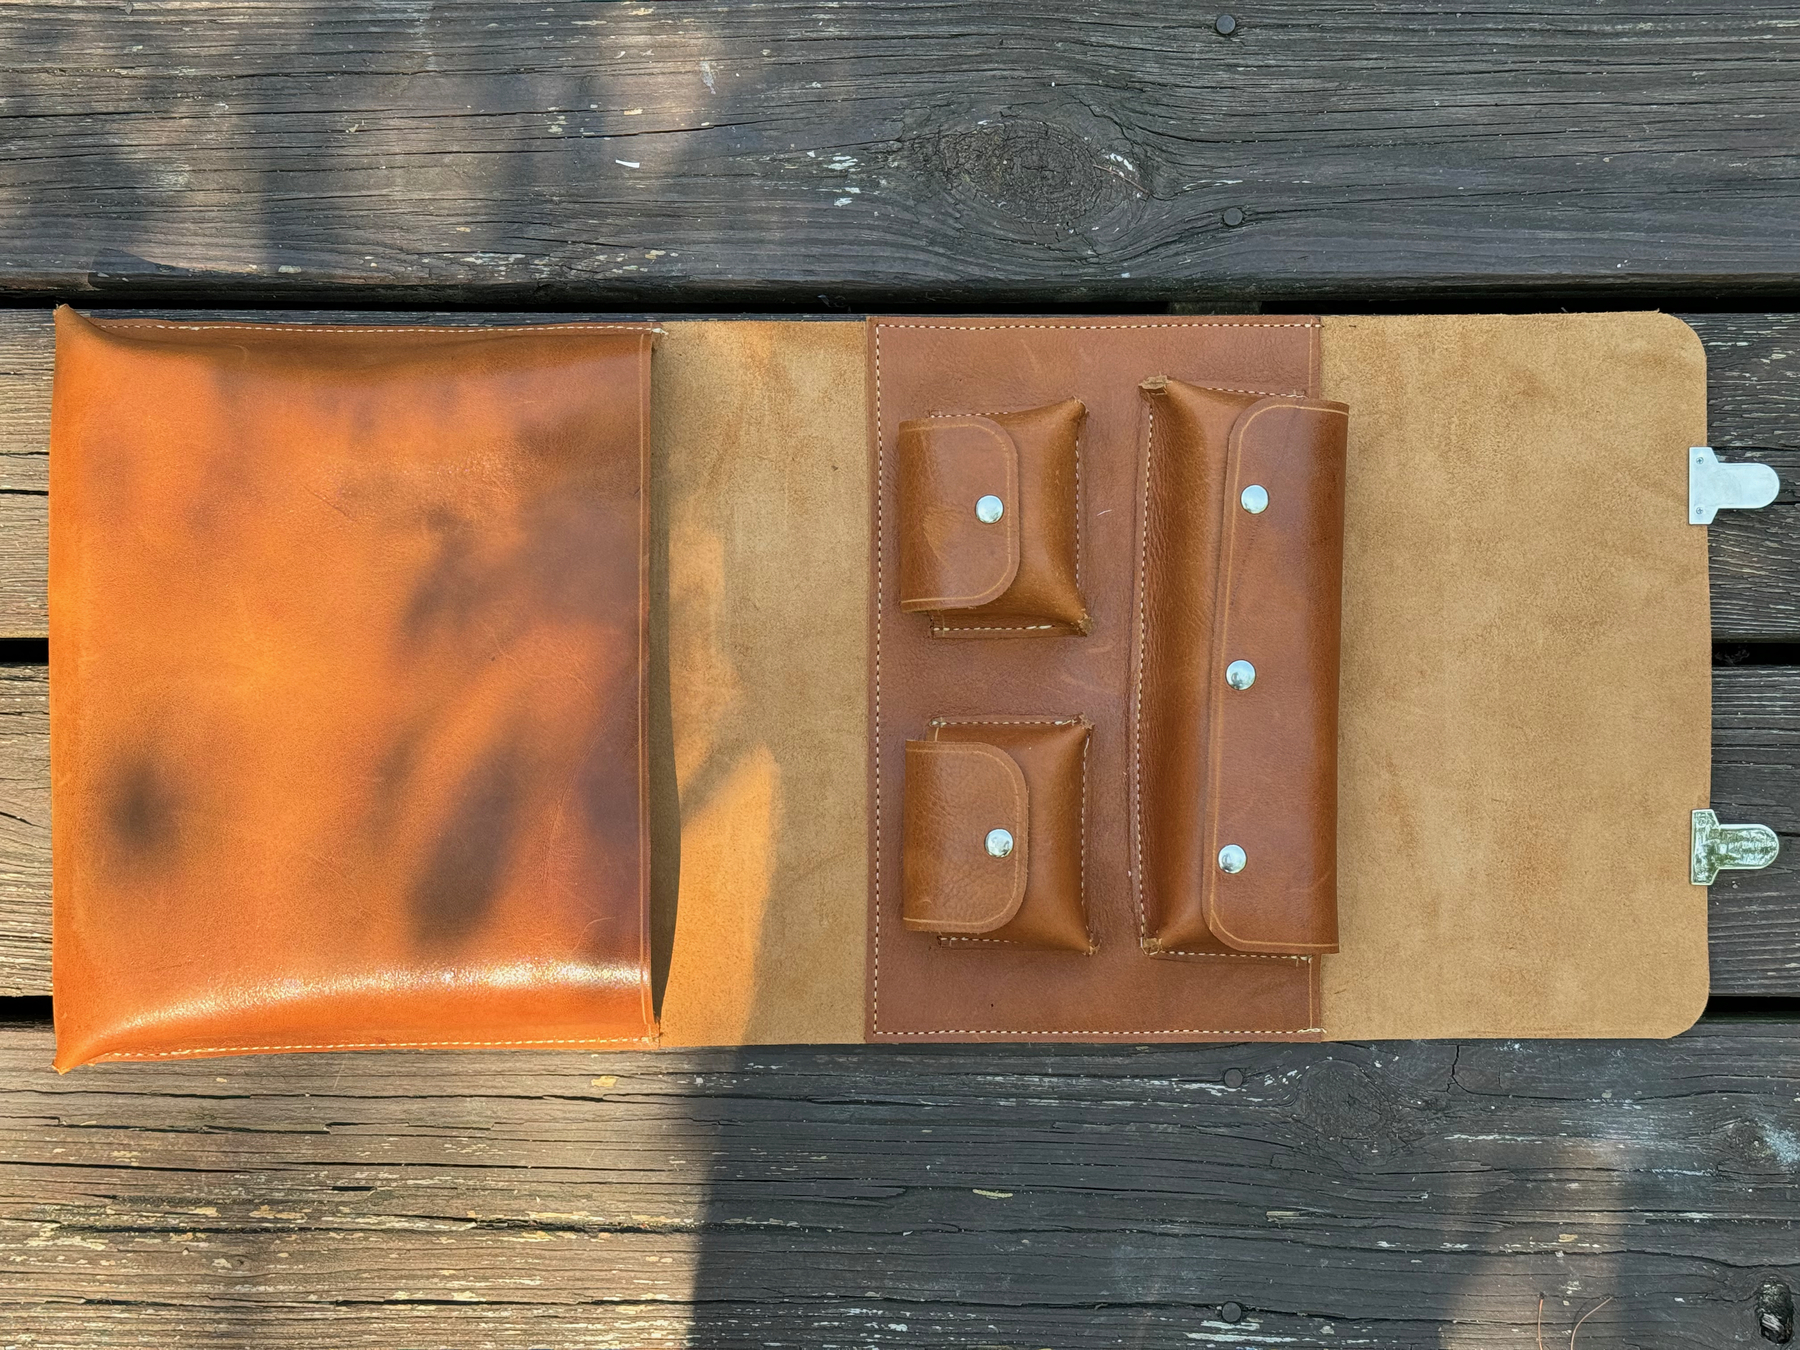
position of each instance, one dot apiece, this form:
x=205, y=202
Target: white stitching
x=950, y=630
x=1087, y=920
x=1009, y=722
x=1142, y=616
x=1160, y=952
x=880, y=604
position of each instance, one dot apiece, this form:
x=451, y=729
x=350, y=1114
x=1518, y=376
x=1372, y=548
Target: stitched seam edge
x=1137, y=696
x=373, y=1045
x=880, y=600
x=946, y=629
x=1226, y=956
x=1008, y=722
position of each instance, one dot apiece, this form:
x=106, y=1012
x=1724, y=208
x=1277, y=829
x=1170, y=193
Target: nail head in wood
x=1225, y=25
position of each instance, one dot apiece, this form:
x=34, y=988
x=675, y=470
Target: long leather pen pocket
x=1235, y=672
x=994, y=832
x=990, y=508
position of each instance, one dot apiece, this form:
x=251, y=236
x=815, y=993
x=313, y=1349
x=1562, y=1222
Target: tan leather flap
x=1272, y=755
x=952, y=554
x=958, y=794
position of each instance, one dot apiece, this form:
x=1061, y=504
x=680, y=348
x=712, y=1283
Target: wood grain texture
x=658, y=152
x=1754, y=917
x=1753, y=405
x=24, y=831
x=1360, y=1195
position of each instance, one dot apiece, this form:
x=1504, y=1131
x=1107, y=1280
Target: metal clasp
x=1715, y=487
x=1729, y=848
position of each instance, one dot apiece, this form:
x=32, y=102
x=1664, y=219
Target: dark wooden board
x=1754, y=917
x=1408, y=1194
x=662, y=152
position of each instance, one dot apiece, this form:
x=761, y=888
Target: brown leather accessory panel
x=1038, y=525
x=1051, y=753
x=347, y=687
x=1235, y=671
x=917, y=988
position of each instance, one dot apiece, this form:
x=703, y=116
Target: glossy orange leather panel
x=917, y=989
x=1221, y=584
x=347, y=700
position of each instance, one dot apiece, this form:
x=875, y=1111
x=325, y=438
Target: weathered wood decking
x=600, y=157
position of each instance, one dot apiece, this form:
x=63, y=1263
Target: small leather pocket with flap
x=993, y=832
x=989, y=521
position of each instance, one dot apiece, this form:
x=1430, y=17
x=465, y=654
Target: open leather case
x=1118, y=679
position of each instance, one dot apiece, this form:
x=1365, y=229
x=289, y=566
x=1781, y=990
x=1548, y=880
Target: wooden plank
x=1754, y=917
x=1753, y=404
x=24, y=831
x=1754, y=391
x=27, y=354
x=1379, y=1195
x=652, y=153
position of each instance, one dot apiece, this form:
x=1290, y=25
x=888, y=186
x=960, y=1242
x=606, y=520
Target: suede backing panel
x=760, y=456
x=1526, y=682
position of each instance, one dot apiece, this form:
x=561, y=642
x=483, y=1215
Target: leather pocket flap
x=1272, y=772
x=959, y=512
x=964, y=851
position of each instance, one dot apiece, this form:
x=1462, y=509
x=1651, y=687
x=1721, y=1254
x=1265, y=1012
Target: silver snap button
x=1240, y=674
x=1255, y=499
x=1232, y=858
x=999, y=843
x=989, y=509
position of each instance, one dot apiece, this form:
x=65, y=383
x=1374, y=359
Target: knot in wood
x=1034, y=172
